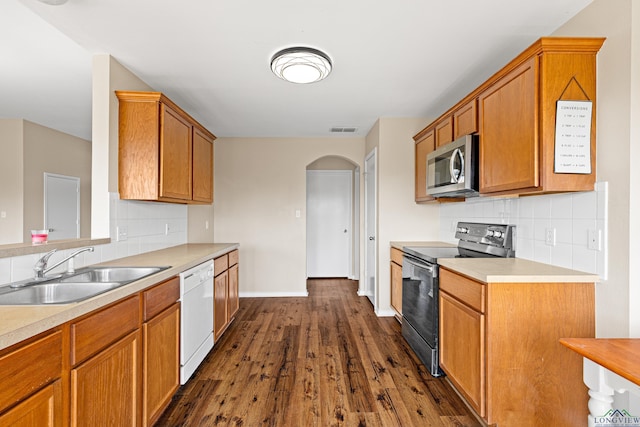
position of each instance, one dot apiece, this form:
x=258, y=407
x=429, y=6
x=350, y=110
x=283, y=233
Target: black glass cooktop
x=433, y=254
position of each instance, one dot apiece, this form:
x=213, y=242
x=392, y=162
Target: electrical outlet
x=206, y=224
x=166, y=229
x=594, y=239
x=121, y=234
x=550, y=236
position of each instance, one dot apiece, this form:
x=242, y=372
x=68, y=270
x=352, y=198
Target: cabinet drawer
x=396, y=256
x=220, y=264
x=466, y=290
x=97, y=331
x=30, y=367
x=161, y=296
x=233, y=257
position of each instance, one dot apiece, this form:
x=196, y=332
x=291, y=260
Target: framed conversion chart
x=573, y=137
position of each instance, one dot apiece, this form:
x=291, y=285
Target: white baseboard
x=390, y=312
x=273, y=294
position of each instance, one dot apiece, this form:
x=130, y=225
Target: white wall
x=399, y=217
x=259, y=184
x=617, y=118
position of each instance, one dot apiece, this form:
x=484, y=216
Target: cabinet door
x=43, y=409
x=233, y=303
x=202, y=167
x=104, y=388
x=175, y=155
x=465, y=119
x=444, y=131
x=423, y=147
x=220, y=285
x=462, y=344
x=396, y=287
x=508, y=132
x=161, y=362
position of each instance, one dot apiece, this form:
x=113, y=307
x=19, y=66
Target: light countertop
x=400, y=245
x=514, y=270
x=21, y=322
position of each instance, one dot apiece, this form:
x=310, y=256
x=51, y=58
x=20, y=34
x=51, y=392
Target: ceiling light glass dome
x=301, y=65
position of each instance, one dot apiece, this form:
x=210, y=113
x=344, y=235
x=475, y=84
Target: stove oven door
x=420, y=310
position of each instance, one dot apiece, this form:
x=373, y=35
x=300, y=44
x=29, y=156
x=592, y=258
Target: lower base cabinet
x=500, y=348
x=396, y=280
x=104, y=388
x=225, y=292
x=161, y=336
x=43, y=409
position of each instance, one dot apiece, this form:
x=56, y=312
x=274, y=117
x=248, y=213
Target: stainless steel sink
x=110, y=274
x=55, y=293
x=63, y=289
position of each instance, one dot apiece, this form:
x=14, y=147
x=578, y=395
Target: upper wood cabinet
x=444, y=131
x=514, y=113
x=425, y=143
x=163, y=153
x=465, y=119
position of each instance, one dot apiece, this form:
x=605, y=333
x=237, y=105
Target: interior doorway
x=62, y=206
x=332, y=218
x=370, y=266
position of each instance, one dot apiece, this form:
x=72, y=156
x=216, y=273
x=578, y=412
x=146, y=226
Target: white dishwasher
x=196, y=317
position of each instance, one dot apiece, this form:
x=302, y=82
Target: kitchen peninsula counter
x=514, y=270
x=24, y=321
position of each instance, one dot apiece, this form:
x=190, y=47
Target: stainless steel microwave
x=452, y=169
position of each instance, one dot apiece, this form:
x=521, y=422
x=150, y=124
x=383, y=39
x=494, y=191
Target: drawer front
x=233, y=257
x=396, y=256
x=99, y=330
x=466, y=290
x=220, y=264
x=161, y=296
x=29, y=368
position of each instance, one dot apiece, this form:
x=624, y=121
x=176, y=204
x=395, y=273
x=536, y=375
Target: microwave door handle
x=454, y=178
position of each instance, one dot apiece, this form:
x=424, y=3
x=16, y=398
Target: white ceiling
x=403, y=58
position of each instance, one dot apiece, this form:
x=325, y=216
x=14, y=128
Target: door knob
x=345, y=230
x=372, y=238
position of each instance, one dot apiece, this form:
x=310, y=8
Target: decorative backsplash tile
x=149, y=226
x=574, y=217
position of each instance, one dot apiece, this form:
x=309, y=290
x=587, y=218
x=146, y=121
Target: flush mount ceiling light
x=301, y=65
x=53, y=2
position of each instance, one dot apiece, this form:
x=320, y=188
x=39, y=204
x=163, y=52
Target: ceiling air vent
x=343, y=130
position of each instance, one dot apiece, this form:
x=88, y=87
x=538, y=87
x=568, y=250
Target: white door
x=328, y=223
x=62, y=206
x=370, y=226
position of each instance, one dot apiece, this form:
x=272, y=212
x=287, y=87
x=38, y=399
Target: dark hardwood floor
x=325, y=360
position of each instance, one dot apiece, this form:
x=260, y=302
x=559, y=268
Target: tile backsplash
x=576, y=221
x=142, y=226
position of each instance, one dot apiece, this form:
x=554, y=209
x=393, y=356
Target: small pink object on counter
x=39, y=237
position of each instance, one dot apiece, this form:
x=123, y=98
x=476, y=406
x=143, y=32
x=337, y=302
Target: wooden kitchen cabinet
x=499, y=346
x=225, y=292
x=444, y=131
x=163, y=153
x=161, y=348
x=202, y=166
x=233, y=302
x=465, y=119
x=425, y=143
x=106, y=368
x=514, y=113
x=396, y=280
x=30, y=373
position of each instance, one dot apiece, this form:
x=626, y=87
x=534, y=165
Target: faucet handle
x=41, y=264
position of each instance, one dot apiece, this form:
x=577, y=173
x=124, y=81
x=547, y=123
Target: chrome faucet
x=41, y=265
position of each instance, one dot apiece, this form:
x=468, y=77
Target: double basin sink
x=63, y=289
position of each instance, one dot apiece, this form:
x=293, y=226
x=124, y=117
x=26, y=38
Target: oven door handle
x=418, y=264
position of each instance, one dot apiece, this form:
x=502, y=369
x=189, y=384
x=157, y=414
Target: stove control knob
x=497, y=234
x=463, y=230
x=490, y=233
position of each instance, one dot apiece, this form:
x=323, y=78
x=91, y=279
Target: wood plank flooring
x=325, y=360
